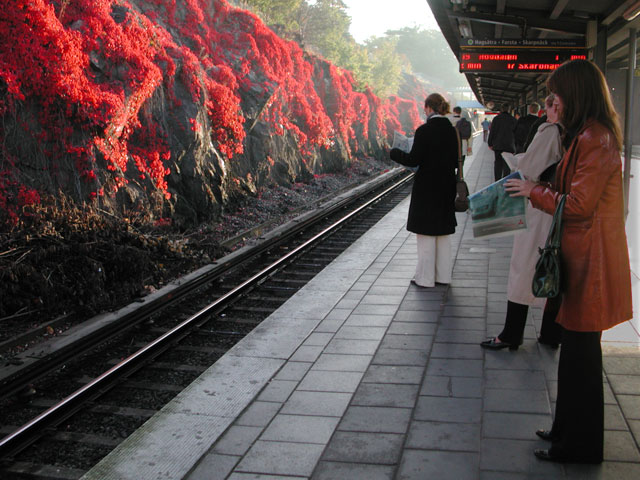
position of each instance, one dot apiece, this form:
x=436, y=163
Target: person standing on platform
x=463, y=126
x=486, y=124
x=596, y=283
x=545, y=151
x=501, y=140
x=523, y=126
x=431, y=211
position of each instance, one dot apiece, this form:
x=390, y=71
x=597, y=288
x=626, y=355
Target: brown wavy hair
x=585, y=94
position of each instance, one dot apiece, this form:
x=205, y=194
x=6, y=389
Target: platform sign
x=555, y=43
x=512, y=60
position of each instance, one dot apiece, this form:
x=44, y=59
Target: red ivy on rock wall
x=14, y=197
x=91, y=70
x=401, y=115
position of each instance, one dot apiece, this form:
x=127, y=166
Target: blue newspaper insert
x=495, y=213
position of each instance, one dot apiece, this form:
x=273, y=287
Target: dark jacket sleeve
x=492, y=133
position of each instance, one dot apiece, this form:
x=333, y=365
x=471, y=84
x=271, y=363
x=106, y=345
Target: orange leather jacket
x=596, y=284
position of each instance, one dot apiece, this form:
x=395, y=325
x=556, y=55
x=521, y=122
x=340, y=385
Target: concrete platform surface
x=362, y=375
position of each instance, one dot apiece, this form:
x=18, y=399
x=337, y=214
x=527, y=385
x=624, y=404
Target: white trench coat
x=544, y=150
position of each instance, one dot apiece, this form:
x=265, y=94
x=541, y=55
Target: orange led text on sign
x=488, y=56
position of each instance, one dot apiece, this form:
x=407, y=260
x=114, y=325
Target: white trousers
x=434, y=260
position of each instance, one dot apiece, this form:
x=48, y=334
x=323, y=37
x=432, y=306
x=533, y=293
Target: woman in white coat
x=544, y=151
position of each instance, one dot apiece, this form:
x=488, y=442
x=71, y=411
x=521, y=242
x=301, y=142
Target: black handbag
x=548, y=272
x=461, y=203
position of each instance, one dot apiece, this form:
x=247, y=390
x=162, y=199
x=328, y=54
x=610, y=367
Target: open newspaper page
x=402, y=142
x=494, y=213
x=405, y=144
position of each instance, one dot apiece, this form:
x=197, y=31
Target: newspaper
x=494, y=213
x=402, y=142
x=405, y=144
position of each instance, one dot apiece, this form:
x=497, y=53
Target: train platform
x=362, y=375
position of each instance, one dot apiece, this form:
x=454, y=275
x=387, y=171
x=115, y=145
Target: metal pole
x=600, y=50
x=628, y=119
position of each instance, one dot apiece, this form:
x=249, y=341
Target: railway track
x=68, y=405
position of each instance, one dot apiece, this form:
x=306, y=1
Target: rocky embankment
x=136, y=134
x=171, y=109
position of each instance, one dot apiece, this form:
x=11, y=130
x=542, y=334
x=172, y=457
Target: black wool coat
x=501, y=136
x=435, y=152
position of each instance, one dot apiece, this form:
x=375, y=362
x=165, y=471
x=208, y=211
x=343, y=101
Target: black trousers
x=516, y=318
x=550, y=331
x=578, y=426
x=500, y=167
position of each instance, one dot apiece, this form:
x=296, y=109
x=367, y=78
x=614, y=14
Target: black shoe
x=544, y=454
x=545, y=434
x=547, y=455
x=553, y=345
x=491, y=344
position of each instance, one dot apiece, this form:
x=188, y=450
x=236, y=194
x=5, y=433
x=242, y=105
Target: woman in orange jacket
x=596, y=289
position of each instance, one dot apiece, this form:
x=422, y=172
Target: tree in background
x=387, y=65
x=429, y=55
x=276, y=12
x=322, y=27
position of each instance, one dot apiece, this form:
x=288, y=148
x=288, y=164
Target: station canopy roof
x=598, y=28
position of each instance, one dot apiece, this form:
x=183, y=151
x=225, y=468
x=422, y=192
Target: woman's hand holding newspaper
x=519, y=188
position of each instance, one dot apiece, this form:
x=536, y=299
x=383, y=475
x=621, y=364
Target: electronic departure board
x=508, y=60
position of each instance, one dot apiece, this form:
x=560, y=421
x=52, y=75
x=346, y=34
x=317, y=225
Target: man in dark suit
x=501, y=139
x=523, y=126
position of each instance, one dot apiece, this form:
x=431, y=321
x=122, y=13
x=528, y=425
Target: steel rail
x=20, y=377
x=33, y=429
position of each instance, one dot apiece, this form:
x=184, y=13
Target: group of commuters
x=512, y=135
x=573, y=152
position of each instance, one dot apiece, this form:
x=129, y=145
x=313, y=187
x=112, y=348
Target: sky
x=374, y=17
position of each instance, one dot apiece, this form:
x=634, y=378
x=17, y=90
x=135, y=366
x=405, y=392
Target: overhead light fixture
x=457, y=2
x=465, y=29
x=632, y=12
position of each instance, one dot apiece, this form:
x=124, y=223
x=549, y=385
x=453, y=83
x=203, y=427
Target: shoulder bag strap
x=460, y=174
x=553, y=240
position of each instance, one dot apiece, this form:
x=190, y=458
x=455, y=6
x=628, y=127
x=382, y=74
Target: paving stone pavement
x=387, y=380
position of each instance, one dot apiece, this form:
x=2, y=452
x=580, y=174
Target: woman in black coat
x=431, y=213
